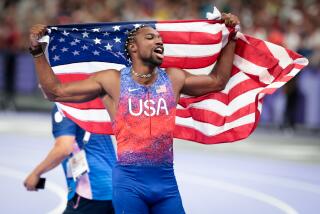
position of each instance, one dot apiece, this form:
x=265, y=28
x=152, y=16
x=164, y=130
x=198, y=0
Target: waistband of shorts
x=145, y=166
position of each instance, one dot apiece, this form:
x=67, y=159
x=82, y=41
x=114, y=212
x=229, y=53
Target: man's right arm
x=79, y=91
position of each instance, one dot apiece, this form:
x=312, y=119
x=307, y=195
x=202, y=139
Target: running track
x=269, y=173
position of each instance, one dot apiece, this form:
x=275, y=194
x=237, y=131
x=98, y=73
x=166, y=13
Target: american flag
x=161, y=89
x=259, y=68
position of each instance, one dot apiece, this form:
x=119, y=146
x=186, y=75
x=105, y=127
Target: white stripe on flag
x=190, y=27
x=94, y=115
x=301, y=61
x=182, y=50
x=201, y=71
x=253, y=69
x=227, y=110
x=259, y=107
x=276, y=85
x=293, y=72
x=85, y=67
x=279, y=53
x=234, y=81
x=212, y=130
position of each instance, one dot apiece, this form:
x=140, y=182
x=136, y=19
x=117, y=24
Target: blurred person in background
x=89, y=188
x=9, y=46
x=310, y=87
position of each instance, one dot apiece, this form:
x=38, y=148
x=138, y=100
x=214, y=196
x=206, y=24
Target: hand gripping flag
x=259, y=68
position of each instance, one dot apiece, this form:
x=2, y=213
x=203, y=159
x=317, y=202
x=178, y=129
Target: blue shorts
x=143, y=190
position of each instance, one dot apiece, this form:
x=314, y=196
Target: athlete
x=141, y=101
x=91, y=192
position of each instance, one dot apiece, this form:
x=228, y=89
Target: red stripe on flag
x=66, y=77
x=298, y=66
x=256, y=55
x=189, y=62
x=262, y=45
x=285, y=79
x=231, y=135
x=259, y=44
x=284, y=72
x=191, y=21
x=269, y=90
x=234, y=134
x=236, y=91
x=293, y=54
x=215, y=119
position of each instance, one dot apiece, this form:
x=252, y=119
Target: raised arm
x=54, y=90
x=74, y=99
x=197, y=85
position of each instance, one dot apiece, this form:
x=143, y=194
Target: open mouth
x=159, y=51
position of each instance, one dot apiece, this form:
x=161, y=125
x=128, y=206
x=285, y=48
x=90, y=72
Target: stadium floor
x=269, y=173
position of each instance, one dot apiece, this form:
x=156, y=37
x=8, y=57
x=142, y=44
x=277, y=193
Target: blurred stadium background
x=288, y=131
x=291, y=23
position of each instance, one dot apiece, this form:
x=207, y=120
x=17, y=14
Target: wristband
x=36, y=51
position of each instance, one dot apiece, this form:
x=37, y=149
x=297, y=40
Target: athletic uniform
x=143, y=177
x=92, y=192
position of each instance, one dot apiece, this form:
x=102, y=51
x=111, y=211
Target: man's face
x=149, y=46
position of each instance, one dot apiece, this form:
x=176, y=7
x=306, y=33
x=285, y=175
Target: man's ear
x=133, y=47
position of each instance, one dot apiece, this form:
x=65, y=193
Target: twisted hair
x=131, y=37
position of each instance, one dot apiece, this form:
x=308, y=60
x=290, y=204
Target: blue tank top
x=145, y=120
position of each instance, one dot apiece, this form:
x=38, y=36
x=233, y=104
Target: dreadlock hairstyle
x=131, y=37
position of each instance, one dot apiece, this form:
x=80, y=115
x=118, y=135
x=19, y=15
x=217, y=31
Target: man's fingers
x=230, y=19
x=36, y=32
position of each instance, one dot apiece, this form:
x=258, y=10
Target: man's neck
x=144, y=70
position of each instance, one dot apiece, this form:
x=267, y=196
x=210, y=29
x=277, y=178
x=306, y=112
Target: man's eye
x=149, y=37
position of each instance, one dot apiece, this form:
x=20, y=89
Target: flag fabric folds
x=259, y=68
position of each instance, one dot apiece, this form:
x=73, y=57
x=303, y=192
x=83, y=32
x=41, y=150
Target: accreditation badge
x=78, y=164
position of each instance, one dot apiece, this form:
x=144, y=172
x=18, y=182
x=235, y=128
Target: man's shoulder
x=109, y=73
x=177, y=76
x=175, y=72
x=173, y=69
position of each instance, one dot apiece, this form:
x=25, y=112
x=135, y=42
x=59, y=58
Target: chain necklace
x=147, y=76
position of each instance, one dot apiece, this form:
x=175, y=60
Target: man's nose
x=159, y=41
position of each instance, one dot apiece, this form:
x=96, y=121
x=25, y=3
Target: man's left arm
x=197, y=85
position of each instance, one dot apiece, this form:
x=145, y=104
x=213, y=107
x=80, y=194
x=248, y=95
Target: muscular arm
x=73, y=99
x=61, y=150
x=78, y=91
x=197, y=85
x=54, y=90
